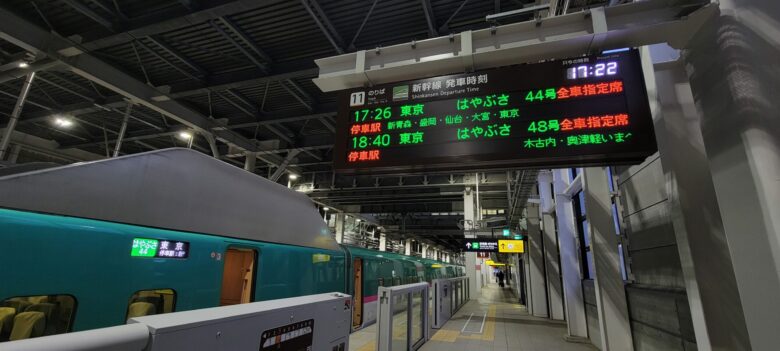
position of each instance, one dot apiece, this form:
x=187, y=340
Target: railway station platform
x=494, y=321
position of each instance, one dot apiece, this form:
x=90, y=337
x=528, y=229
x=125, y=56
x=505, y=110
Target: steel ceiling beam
x=215, y=24
x=18, y=73
x=246, y=39
x=446, y=26
x=86, y=11
x=270, y=120
x=183, y=90
x=362, y=24
x=173, y=52
x=283, y=167
x=325, y=122
x=167, y=21
x=167, y=61
x=86, y=107
x=430, y=18
x=322, y=21
x=32, y=38
x=128, y=137
x=236, y=80
x=298, y=93
x=597, y=29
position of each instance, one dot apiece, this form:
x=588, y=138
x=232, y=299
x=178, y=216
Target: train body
x=81, y=273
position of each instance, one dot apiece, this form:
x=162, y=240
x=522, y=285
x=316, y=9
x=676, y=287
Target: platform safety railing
x=402, y=317
x=449, y=295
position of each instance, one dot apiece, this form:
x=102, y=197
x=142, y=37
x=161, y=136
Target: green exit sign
x=518, y=237
x=144, y=247
x=507, y=232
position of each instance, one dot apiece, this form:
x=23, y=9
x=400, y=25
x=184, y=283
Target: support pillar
x=536, y=277
x=212, y=144
x=13, y=156
x=382, y=242
x=122, y=130
x=17, y=111
x=735, y=86
x=723, y=158
x=251, y=161
x=614, y=325
x=408, y=247
x=574, y=301
x=424, y=251
x=340, y=227
x=710, y=280
x=550, y=237
x=472, y=269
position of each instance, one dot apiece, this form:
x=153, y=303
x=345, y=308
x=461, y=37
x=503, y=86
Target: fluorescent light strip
x=615, y=51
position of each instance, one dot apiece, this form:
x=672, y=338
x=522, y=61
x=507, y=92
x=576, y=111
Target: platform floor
x=507, y=326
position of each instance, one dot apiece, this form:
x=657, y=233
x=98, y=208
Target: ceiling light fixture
x=63, y=122
x=24, y=64
x=185, y=135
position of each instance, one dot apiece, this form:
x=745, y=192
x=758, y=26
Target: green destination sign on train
x=143, y=247
x=590, y=110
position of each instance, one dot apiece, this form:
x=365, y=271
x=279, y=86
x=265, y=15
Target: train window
x=149, y=302
x=26, y=317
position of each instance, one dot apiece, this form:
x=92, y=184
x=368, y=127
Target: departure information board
x=590, y=110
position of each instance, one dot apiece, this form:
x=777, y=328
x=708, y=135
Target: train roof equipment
x=177, y=189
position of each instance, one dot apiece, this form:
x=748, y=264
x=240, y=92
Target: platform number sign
x=357, y=99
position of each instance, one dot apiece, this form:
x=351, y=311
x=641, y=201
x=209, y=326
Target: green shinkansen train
x=90, y=245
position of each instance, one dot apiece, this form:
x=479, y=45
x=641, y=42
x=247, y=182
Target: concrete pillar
x=536, y=278
x=13, y=156
x=339, y=227
x=550, y=237
x=710, y=280
x=734, y=79
x=408, y=247
x=574, y=301
x=614, y=325
x=424, y=252
x=382, y=242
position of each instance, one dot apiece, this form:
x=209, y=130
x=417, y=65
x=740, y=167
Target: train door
x=238, y=276
x=357, y=309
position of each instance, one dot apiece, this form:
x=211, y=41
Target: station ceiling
x=240, y=70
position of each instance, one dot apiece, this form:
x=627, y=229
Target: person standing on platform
x=500, y=276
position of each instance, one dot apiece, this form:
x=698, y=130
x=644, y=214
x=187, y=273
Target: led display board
x=481, y=245
x=143, y=247
x=590, y=110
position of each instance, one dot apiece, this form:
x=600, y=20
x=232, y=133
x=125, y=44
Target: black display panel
x=590, y=110
x=292, y=337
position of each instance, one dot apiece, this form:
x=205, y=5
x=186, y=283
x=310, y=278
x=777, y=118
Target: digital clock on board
x=601, y=69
